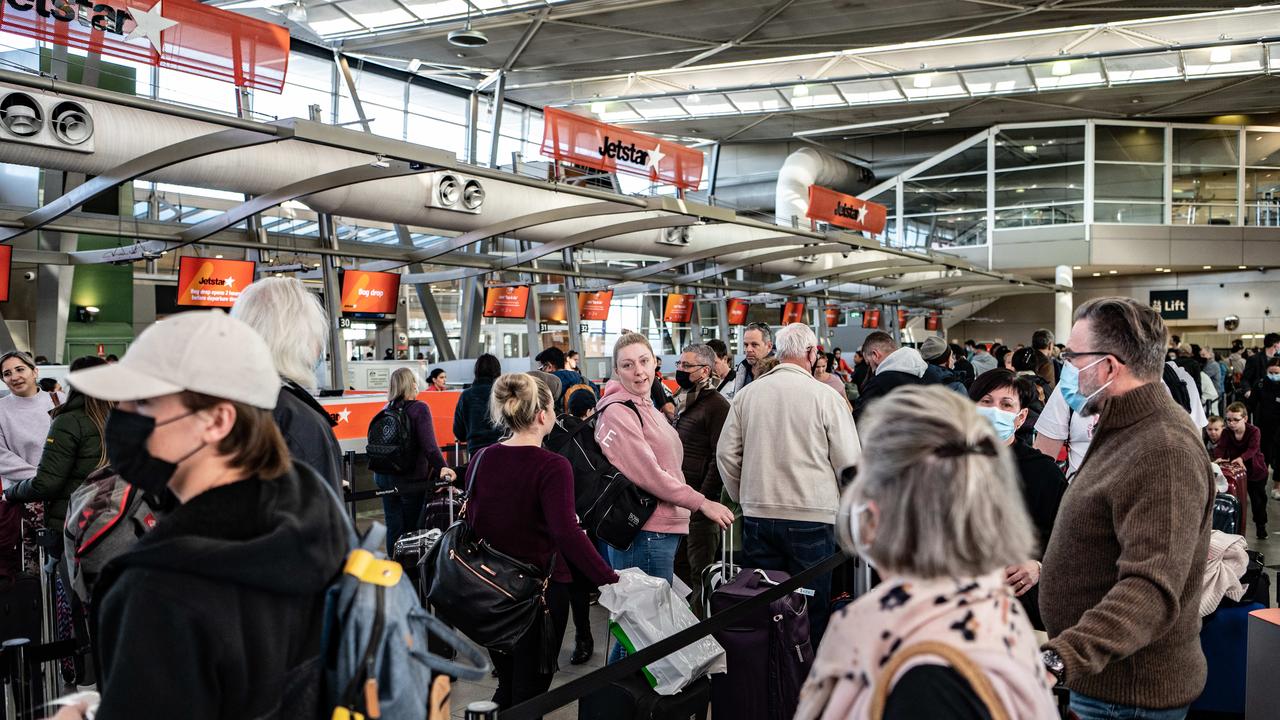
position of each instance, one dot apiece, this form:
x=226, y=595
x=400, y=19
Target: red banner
x=792, y=312
x=846, y=211
x=184, y=35
x=679, y=308
x=210, y=282
x=6, y=261
x=370, y=292
x=833, y=315
x=737, y=310
x=933, y=323
x=902, y=318
x=609, y=148
x=507, y=302
x=871, y=319
x=594, y=305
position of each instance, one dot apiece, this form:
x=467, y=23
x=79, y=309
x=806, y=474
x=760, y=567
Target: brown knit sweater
x=1120, y=589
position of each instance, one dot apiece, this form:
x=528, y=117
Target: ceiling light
x=694, y=99
x=217, y=257
x=599, y=107
x=1097, y=274
x=1207, y=267
x=1220, y=55
x=922, y=82
x=1168, y=270
x=800, y=91
x=873, y=123
x=1075, y=267
x=414, y=64
x=1242, y=267
x=1060, y=68
x=466, y=37
x=1160, y=269
x=1030, y=149
x=296, y=13
x=1112, y=272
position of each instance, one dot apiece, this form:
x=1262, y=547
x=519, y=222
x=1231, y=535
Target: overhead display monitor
x=737, y=310
x=902, y=318
x=679, y=308
x=6, y=262
x=211, y=282
x=933, y=323
x=792, y=312
x=507, y=302
x=871, y=319
x=594, y=305
x=372, y=293
x=833, y=315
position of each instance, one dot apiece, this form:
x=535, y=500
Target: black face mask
x=684, y=381
x=126, y=435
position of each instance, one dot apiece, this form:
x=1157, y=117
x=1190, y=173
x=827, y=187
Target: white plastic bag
x=648, y=610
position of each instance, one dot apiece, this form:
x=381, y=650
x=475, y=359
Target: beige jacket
x=784, y=444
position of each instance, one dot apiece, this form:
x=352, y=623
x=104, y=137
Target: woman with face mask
x=822, y=372
x=999, y=400
x=1264, y=405
x=24, y=426
x=217, y=611
x=942, y=636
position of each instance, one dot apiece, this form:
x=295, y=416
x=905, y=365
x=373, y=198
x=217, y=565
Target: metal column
x=1063, y=303
x=571, y=304
x=473, y=128
x=333, y=303
x=496, y=107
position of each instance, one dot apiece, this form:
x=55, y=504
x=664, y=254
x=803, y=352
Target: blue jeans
x=400, y=511
x=1087, y=708
x=793, y=546
x=653, y=553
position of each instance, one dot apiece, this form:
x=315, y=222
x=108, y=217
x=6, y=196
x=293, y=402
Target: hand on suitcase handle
x=717, y=513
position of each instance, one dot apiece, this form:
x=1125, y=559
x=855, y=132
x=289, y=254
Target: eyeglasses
x=1070, y=355
x=688, y=366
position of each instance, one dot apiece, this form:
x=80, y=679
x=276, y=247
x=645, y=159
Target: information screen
x=211, y=282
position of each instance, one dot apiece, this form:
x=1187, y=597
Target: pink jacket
x=649, y=455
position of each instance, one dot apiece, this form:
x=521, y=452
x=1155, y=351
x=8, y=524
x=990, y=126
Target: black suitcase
x=1226, y=514
x=21, y=608
x=633, y=699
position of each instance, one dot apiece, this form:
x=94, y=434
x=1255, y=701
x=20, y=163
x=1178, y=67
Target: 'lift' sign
x=1170, y=304
x=846, y=211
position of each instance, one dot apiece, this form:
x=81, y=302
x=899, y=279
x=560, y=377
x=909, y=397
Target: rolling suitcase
x=441, y=509
x=717, y=574
x=768, y=653
x=1227, y=516
x=632, y=699
x=1238, y=487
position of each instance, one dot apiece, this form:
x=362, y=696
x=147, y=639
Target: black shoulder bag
x=493, y=598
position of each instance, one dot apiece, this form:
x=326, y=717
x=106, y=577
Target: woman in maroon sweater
x=1241, y=445
x=521, y=502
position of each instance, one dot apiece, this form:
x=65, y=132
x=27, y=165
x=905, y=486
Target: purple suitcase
x=768, y=653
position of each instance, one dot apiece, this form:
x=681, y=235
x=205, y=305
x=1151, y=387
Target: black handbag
x=493, y=598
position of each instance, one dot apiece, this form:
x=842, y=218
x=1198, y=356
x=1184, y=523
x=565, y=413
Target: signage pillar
x=1062, y=303
x=333, y=303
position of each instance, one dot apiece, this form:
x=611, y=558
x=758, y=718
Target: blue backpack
x=375, y=640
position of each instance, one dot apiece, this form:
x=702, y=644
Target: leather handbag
x=493, y=598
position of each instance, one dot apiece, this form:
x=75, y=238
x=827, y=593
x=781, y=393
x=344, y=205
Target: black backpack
x=608, y=505
x=391, y=441
x=1177, y=388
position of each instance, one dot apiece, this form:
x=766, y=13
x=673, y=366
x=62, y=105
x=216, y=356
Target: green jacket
x=71, y=451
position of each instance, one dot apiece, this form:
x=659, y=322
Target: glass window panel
x=1048, y=214
x=1192, y=184
x=437, y=133
x=657, y=108
x=1262, y=148
x=1263, y=214
x=1261, y=186
x=889, y=199
x=939, y=85
x=1196, y=146
x=436, y=104
x=994, y=82
x=1197, y=214
x=971, y=159
x=327, y=20
x=1236, y=60
x=1143, y=68
x=1027, y=147
x=619, y=112
x=1135, y=213
x=942, y=231
x=821, y=95
x=196, y=91
x=1062, y=184
x=1068, y=74
x=308, y=84
x=756, y=101
x=709, y=104
x=870, y=92
x=1127, y=143
x=955, y=194
x=1273, y=55
x=378, y=13
x=1128, y=182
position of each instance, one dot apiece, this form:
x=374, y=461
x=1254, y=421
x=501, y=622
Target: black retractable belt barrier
x=583, y=686
x=352, y=496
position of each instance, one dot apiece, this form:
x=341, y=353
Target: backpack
x=608, y=505
x=1177, y=388
x=568, y=393
x=105, y=517
x=391, y=441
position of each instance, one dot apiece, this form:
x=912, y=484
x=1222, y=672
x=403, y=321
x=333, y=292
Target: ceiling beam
x=526, y=38
x=730, y=249
x=721, y=268
x=631, y=31
x=758, y=25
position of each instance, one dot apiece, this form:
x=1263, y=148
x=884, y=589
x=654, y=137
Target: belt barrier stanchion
x=583, y=686
x=349, y=471
x=482, y=710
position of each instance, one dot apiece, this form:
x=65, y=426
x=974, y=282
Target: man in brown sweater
x=1120, y=585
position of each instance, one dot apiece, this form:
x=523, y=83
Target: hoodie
x=649, y=453
x=217, y=612
x=904, y=366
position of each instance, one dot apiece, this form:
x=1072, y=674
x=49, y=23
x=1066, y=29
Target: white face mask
x=855, y=531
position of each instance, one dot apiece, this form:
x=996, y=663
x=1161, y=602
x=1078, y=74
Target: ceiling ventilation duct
x=50, y=122
x=808, y=166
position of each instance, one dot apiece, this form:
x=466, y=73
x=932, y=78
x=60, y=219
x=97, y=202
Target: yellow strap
x=366, y=568
x=346, y=714
x=958, y=661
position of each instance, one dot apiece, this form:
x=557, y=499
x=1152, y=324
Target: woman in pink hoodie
x=644, y=447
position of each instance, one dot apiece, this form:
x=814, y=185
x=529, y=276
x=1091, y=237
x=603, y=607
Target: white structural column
x=1063, y=304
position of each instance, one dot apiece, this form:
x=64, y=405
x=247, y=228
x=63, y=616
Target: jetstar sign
x=610, y=148
x=182, y=35
x=846, y=211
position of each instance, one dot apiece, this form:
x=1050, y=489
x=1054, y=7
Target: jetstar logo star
x=845, y=210
x=100, y=16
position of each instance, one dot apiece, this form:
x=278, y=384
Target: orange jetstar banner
x=902, y=318
x=933, y=323
x=594, y=305
x=871, y=319
x=792, y=312
x=737, y=311
x=846, y=211
x=184, y=35
x=833, y=315
x=369, y=292
x=679, y=308
x=210, y=282
x=6, y=260
x=507, y=302
x=609, y=148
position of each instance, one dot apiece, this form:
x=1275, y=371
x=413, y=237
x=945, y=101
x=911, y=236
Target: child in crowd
x=1213, y=433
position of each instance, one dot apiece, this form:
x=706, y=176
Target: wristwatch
x=1054, y=664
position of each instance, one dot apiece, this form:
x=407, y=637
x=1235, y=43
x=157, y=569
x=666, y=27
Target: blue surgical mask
x=1273, y=377
x=1002, y=420
x=1069, y=385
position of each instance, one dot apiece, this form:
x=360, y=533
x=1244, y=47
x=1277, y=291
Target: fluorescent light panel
x=873, y=123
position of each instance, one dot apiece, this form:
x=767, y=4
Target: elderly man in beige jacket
x=786, y=442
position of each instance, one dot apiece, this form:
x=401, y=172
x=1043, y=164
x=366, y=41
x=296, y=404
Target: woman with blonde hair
x=401, y=509
x=520, y=501
x=935, y=510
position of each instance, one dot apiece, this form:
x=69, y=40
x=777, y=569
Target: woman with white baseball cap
x=223, y=599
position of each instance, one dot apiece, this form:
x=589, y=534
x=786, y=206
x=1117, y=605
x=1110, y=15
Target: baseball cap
x=205, y=351
x=933, y=347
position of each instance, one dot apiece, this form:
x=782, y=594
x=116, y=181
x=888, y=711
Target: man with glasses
x=1121, y=579
x=700, y=418
x=757, y=344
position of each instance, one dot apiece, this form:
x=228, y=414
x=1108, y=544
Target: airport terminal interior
x=313, y=309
